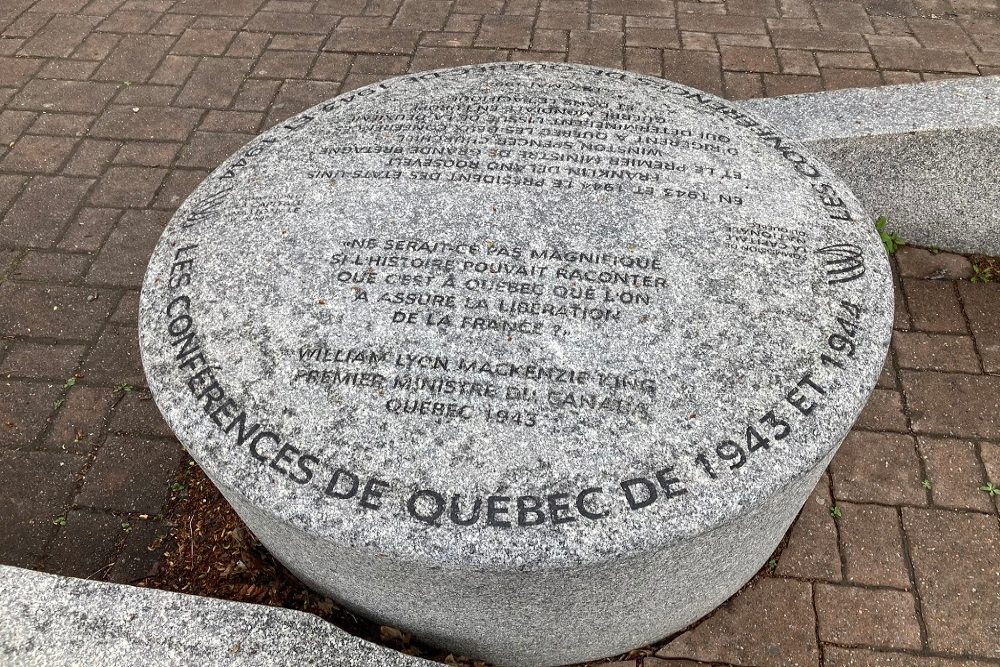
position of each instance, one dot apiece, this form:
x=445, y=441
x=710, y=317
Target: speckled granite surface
x=537, y=361
x=52, y=621
x=924, y=155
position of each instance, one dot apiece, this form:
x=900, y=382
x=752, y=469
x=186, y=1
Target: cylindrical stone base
x=541, y=617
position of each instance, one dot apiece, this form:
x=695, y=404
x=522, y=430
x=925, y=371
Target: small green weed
x=990, y=489
x=59, y=520
x=836, y=512
x=890, y=239
x=981, y=273
x=926, y=484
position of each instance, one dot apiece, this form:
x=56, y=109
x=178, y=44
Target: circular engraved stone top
x=515, y=315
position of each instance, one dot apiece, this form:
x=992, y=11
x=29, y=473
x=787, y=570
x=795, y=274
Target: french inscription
x=558, y=141
x=492, y=286
x=767, y=239
x=521, y=139
x=467, y=387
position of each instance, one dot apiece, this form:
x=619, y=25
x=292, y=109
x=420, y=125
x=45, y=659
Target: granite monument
x=536, y=361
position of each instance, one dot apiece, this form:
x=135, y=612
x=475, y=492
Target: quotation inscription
x=203, y=380
x=466, y=388
x=487, y=287
x=511, y=289
x=774, y=240
x=500, y=138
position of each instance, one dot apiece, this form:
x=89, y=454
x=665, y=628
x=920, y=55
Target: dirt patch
x=985, y=269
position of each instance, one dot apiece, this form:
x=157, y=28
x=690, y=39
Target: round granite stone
x=537, y=361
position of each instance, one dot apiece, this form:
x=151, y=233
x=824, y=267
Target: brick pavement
x=111, y=111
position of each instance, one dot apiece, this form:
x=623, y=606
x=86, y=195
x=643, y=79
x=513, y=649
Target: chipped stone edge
x=53, y=621
x=923, y=154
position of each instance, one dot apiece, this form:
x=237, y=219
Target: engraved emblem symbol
x=844, y=262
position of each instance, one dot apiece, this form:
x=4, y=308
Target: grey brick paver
x=85, y=545
x=24, y=408
x=52, y=95
x=52, y=311
x=936, y=352
x=835, y=656
x=935, y=306
x=955, y=474
x=78, y=424
x=131, y=474
x=982, y=307
x=878, y=468
x=146, y=123
x=811, y=552
x=214, y=83
x=41, y=360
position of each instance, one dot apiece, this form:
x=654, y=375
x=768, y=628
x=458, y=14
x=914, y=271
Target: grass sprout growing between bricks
x=981, y=273
x=985, y=269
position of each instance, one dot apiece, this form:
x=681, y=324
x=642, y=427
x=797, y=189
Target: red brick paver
x=112, y=111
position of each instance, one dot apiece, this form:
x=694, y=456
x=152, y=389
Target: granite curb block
x=924, y=155
x=49, y=621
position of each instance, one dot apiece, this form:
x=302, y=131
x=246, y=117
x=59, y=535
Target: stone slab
x=924, y=155
x=543, y=339
x=52, y=621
